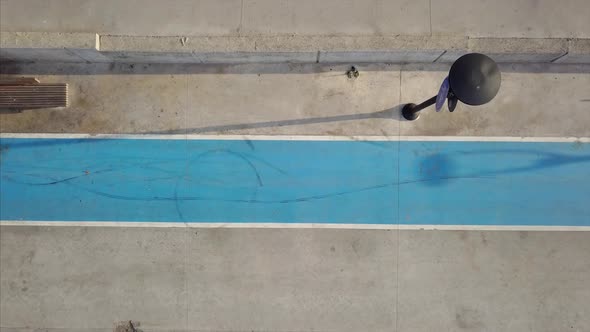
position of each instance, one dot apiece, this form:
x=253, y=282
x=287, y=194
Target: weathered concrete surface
x=271, y=31
x=293, y=100
x=35, y=55
x=426, y=56
x=309, y=280
x=91, y=278
x=296, y=102
x=87, y=47
x=49, y=40
x=198, y=279
x=129, y=17
x=329, y=17
x=512, y=50
x=152, y=57
x=177, y=44
x=269, y=49
x=173, y=49
x=528, y=104
x=109, y=104
x=191, y=279
x=357, y=43
x=43, y=46
x=388, y=49
x=289, y=99
x=512, y=19
x=578, y=52
x=493, y=281
x=500, y=19
x=10, y=329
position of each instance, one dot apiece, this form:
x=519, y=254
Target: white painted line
x=496, y=139
x=294, y=226
x=495, y=228
x=92, y=136
x=301, y=137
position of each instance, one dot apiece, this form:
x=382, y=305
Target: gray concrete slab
x=49, y=40
x=528, y=104
x=151, y=57
x=211, y=58
x=193, y=279
x=258, y=57
x=503, y=19
x=276, y=49
x=37, y=55
x=518, y=19
x=289, y=99
x=578, y=52
x=90, y=278
x=52, y=47
x=87, y=47
x=129, y=17
x=10, y=329
x=295, y=102
x=385, y=49
x=285, y=43
x=493, y=281
x=109, y=104
x=177, y=44
x=50, y=16
x=90, y=55
x=292, y=280
x=87, y=279
x=424, y=56
x=512, y=50
x=57, y=277
x=333, y=17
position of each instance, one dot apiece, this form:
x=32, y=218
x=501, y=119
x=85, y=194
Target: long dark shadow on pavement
x=390, y=113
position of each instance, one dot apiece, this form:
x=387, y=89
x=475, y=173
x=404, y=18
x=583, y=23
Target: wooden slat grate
x=39, y=95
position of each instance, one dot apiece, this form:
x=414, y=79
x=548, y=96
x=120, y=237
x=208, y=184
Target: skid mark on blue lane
x=471, y=183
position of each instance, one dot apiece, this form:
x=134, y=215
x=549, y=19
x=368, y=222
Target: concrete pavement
x=511, y=250
x=247, y=31
x=191, y=279
x=535, y=100
x=90, y=278
x=500, y=19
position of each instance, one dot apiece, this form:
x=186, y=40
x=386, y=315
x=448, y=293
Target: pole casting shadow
x=390, y=113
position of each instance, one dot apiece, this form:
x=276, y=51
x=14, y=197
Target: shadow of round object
x=435, y=170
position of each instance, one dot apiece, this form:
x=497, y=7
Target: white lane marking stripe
x=295, y=225
x=300, y=137
x=496, y=139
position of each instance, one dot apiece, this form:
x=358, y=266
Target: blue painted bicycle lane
x=295, y=181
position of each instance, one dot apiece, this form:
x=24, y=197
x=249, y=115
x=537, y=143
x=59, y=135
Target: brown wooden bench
x=28, y=93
